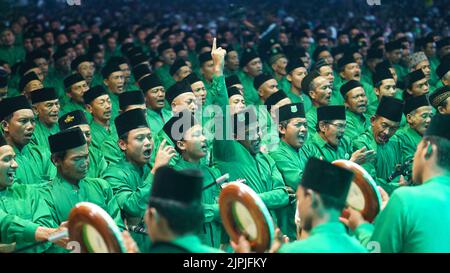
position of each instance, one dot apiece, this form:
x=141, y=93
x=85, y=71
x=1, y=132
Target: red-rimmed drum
x=94, y=229
x=244, y=213
x=363, y=195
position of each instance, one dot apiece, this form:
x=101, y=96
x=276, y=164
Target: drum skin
x=367, y=186
x=237, y=192
x=88, y=213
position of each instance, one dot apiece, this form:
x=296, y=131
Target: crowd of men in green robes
x=93, y=114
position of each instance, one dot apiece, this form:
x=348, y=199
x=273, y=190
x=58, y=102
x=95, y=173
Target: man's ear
x=281, y=130
x=245, y=69
x=55, y=161
x=312, y=94
x=409, y=118
x=372, y=119
x=181, y=145
x=322, y=126
x=89, y=108
x=377, y=91
x=105, y=81
x=289, y=77
x=122, y=144
x=4, y=125
x=35, y=110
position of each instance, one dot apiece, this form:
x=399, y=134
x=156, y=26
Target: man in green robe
x=388, y=149
x=239, y=155
x=440, y=100
x=394, y=55
x=18, y=123
x=131, y=178
x=71, y=157
x=191, y=144
x=75, y=86
x=167, y=55
x=321, y=196
x=114, y=80
x=251, y=66
x=175, y=213
x=416, y=84
x=85, y=66
x=97, y=162
x=29, y=217
x=46, y=108
x=319, y=90
x=356, y=108
x=418, y=112
x=11, y=53
x=98, y=104
x=296, y=72
x=293, y=131
x=416, y=219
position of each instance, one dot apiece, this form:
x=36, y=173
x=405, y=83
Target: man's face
x=327, y=72
x=326, y=55
x=232, y=60
x=321, y=95
x=419, y=88
x=49, y=38
x=208, y=70
x=199, y=90
x=383, y=129
x=394, y=56
x=115, y=82
x=38, y=73
x=100, y=108
x=43, y=66
x=356, y=100
x=138, y=147
x=420, y=119
x=38, y=42
x=304, y=208
x=75, y=165
x=32, y=86
x=194, y=143
x=444, y=110
x=295, y=132
x=87, y=69
x=8, y=166
x=254, y=68
x=305, y=43
x=21, y=127
x=306, y=60
x=63, y=64
x=387, y=88
x=71, y=53
x=185, y=101
x=99, y=58
x=268, y=88
x=351, y=72
x=48, y=111
x=296, y=77
x=237, y=104
x=430, y=49
x=168, y=56
x=252, y=139
x=280, y=66
x=77, y=90
x=8, y=38
x=333, y=131
x=343, y=39
x=155, y=98
x=394, y=73
x=426, y=68
x=126, y=72
x=111, y=43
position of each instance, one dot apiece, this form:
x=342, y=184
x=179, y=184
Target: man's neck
x=432, y=171
x=284, y=140
x=103, y=123
x=46, y=125
x=295, y=90
x=190, y=159
x=13, y=144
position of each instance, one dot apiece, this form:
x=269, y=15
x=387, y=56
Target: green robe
x=131, y=186
x=317, y=147
x=329, y=237
x=212, y=227
x=25, y=202
x=290, y=165
x=97, y=163
x=259, y=171
x=12, y=55
x=188, y=243
x=388, y=155
x=311, y=119
x=157, y=120
x=303, y=98
x=71, y=106
x=114, y=105
x=409, y=139
x=415, y=220
x=100, y=134
x=250, y=93
x=357, y=124
x=163, y=73
x=61, y=196
x=41, y=134
x=35, y=165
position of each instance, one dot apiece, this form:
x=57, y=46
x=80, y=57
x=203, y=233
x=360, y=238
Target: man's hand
x=130, y=244
x=354, y=218
x=242, y=246
x=279, y=241
x=218, y=57
x=384, y=197
x=362, y=156
x=165, y=153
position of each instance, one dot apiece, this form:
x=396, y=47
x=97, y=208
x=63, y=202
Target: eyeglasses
x=340, y=126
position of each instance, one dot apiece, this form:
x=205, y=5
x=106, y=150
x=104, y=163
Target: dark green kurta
x=357, y=124
x=97, y=163
x=25, y=202
x=163, y=73
x=35, y=165
x=41, y=134
x=415, y=220
x=317, y=147
x=250, y=93
x=100, y=134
